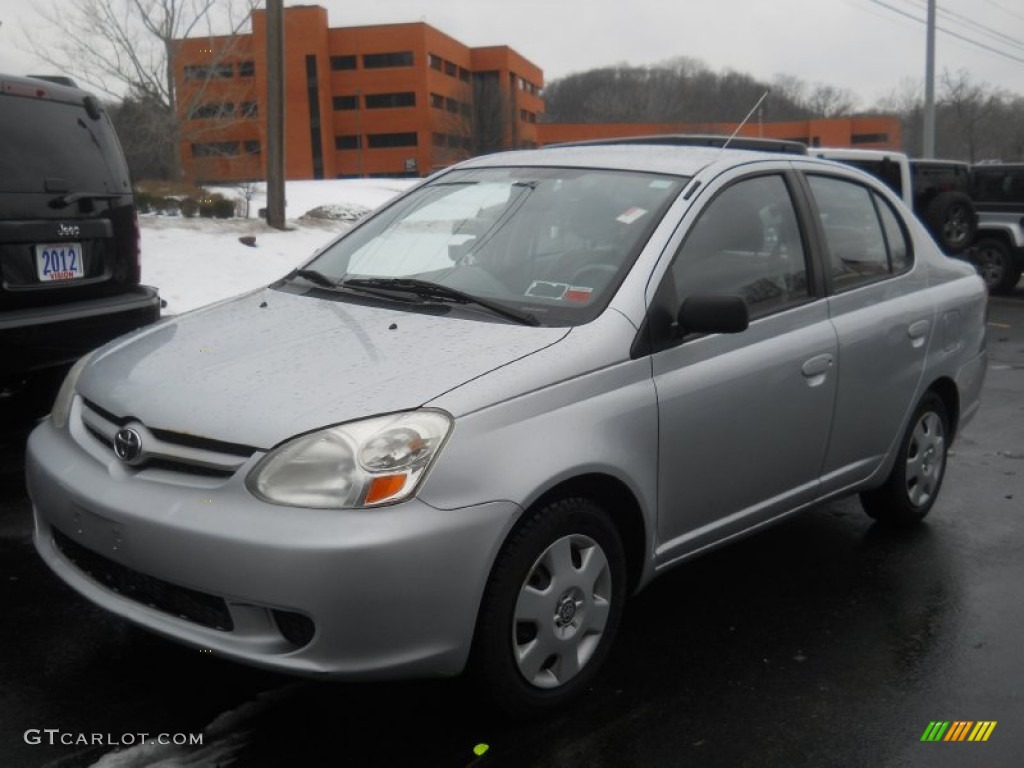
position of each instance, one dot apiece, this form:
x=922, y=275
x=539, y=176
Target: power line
x=1000, y=37
x=949, y=32
x=1005, y=10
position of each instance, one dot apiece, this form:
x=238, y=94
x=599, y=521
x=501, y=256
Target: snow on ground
x=194, y=262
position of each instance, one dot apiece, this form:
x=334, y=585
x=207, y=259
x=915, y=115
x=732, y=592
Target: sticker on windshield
x=578, y=293
x=542, y=289
x=631, y=215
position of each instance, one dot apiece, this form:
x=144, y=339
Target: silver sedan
x=463, y=433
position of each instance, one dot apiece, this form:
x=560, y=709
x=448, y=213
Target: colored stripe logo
x=958, y=730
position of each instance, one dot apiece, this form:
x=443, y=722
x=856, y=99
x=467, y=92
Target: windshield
x=554, y=242
x=45, y=139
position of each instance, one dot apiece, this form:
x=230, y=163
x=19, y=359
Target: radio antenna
x=746, y=119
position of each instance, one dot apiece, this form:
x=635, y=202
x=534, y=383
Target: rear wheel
x=995, y=264
x=914, y=482
x=551, y=608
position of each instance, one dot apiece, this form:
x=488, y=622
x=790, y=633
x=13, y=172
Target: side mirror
x=712, y=314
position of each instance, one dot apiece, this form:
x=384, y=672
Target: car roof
x=649, y=158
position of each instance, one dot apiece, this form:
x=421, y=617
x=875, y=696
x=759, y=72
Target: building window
x=382, y=60
x=211, y=111
x=869, y=138
x=439, y=140
x=350, y=141
x=343, y=62
x=248, y=109
x=246, y=68
x=451, y=105
x=463, y=74
x=345, y=102
x=466, y=109
x=251, y=147
x=434, y=61
x=450, y=69
x=387, y=100
x=437, y=101
x=215, y=149
x=385, y=140
x=522, y=115
x=208, y=71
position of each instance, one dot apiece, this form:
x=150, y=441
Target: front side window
x=864, y=237
x=746, y=243
x=551, y=241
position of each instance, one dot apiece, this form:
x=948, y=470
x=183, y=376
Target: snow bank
x=194, y=262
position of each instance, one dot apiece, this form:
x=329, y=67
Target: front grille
x=167, y=450
x=189, y=604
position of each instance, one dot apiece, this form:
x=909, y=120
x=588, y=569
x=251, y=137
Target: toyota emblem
x=128, y=446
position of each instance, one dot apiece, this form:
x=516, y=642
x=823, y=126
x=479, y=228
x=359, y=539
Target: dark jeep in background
x=998, y=193
x=69, y=241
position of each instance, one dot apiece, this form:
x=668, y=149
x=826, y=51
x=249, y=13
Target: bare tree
x=127, y=46
x=968, y=110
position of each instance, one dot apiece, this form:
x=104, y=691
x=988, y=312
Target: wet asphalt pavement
x=824, y=641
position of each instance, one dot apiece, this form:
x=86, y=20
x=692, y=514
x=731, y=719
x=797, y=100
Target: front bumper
x=391, y=592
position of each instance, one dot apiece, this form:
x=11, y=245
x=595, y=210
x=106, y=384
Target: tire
x=995, y=264
x=915, y=480
x=952, y=220
x=551, y=608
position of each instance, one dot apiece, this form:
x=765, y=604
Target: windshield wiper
x=427, y=290
x=313, y=276
x=65, y=200
x=320, y=279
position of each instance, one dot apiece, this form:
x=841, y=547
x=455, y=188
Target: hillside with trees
x=974, y=121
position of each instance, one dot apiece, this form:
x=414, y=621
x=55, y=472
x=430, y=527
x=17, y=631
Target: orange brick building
x=397, y=100
x=387, y=100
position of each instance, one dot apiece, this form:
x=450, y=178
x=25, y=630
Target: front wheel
x=551, y=608
x=914, y=482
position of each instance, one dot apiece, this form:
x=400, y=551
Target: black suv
x=998, y=193
x=69, y=241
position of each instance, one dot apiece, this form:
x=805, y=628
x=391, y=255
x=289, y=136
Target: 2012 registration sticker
x=60, y=261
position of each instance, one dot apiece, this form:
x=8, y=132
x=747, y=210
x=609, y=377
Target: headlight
x=361, y=464
x=66, y=393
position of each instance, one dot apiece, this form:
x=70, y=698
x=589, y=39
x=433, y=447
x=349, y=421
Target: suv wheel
x=995, y=264
x=551, y=608
x=914, y=482
x=952, y=219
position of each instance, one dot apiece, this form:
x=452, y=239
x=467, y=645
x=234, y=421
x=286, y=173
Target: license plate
x=62, y=261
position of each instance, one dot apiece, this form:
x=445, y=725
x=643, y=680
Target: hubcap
x=990, y=266
x=562, y=610
x=925, y=459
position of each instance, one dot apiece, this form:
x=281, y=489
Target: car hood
x=262, y=368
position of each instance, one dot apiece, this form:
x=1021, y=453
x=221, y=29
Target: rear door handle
x=918, y=332
x=816, y=368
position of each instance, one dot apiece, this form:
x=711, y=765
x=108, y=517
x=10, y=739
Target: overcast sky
x=857, y=44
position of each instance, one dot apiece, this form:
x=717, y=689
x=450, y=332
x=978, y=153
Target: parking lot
x=824, y=641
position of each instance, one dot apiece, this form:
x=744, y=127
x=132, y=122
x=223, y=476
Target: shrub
x=223, y=209
x=189, y=207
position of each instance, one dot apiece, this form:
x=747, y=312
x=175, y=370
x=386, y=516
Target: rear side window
x=45, y=139
x=866, y=241
x=999, y=186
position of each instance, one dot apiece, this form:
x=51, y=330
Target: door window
x=865, y=239
x=746, y=243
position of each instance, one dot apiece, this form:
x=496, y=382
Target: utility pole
x=275, y=114
x=929, y=86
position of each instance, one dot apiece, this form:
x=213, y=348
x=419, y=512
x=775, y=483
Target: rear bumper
x=38, y=344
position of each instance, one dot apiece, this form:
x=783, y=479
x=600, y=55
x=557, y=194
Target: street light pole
x=929, y=86
x=275, y=114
